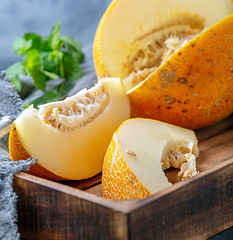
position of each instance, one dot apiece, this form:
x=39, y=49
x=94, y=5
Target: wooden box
x=196, y=208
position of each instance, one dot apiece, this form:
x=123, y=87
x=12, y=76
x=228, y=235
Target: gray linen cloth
x=10, y=106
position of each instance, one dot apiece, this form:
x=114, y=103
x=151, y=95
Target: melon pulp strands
x=75, y=153
x=178, y=91
x=150, y=16
x=141, y=146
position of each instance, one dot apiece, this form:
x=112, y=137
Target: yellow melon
x=134, y=37
x=172, y=57
x=139, y=152
x=70, y=137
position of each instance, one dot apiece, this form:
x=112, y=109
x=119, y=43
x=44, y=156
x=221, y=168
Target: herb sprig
x=45, y=58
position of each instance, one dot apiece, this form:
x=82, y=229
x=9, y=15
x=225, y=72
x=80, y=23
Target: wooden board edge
x=123, y=206
x=195, y=209
x=183, y=184
x=46, y=213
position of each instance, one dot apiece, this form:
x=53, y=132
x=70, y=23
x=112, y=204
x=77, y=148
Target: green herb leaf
x=45, y=44
x=51, y=61
x=78, y=56
x=57, y=93
x=36, y=40
x=17, y=84
x=50, y=75
x=21, y=46
x=72, y=42
x=54, y=40
x=34, y=68
x=73, y=47
x=72, y=69
x=14, y=72
x=44, y=58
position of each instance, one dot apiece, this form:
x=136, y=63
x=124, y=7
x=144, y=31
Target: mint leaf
x=45, y=44
x=50, y=75
x=34, y=68
x=14, y=72
x=72, y=42
x=54, y=40
x=21, y=46
x=33, y=59
x=74, y=47
x=44, y=58
x=39, y=79
x=17, y=83
x=36, y=40
x=78, y=56
x=51, y=61
x=72, y=69
x=57, y=93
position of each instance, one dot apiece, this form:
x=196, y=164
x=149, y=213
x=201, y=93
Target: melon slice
x=69, y=138
x=135, y=37
x=139, y=152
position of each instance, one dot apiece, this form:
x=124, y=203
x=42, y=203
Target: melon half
x=135, y=37
x=69, y=138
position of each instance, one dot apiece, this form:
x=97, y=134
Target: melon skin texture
x=120, y=34
x=193, y=88
x=174, y=58
x=74, y=146
x=139, y=152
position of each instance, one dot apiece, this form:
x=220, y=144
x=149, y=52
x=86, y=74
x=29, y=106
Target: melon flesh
x=135, y=37
x=69, y=138
x=149, y=146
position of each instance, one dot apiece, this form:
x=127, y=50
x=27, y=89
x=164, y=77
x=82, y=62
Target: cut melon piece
x=135, y=37
x=69, y=138
x=139, y=152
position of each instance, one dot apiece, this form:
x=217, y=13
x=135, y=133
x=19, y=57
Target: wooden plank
x=56, y=213
x=193, y=209
x=215, y=129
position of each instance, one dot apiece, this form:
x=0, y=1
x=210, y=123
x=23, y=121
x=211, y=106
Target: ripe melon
x=70, y=137
x=135, y=37
x=174, y=58
x=139, y=152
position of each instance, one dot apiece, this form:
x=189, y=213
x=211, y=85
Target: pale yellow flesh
x=147, y=139
x=79, y=153
x=120, y=30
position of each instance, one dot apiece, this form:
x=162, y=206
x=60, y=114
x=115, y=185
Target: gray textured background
x=79, y=19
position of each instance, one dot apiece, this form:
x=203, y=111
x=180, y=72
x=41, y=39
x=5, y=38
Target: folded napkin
x=10, y=106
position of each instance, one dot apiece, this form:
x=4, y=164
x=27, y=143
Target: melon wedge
x=139, y=152
x=69, y=138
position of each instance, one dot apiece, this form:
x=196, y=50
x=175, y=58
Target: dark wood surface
x=197, y=208
x=56, y=211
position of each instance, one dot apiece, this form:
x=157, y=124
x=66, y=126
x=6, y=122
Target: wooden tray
x=196, y=208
